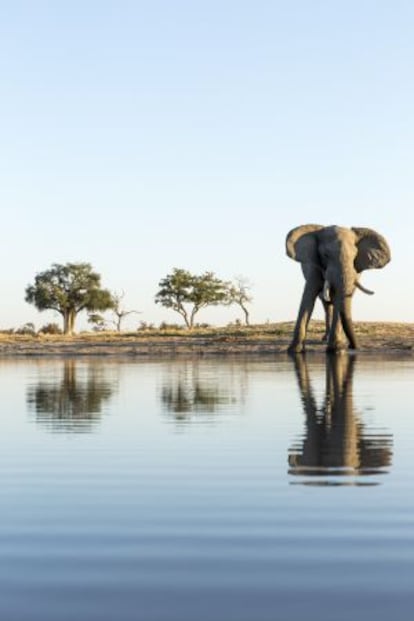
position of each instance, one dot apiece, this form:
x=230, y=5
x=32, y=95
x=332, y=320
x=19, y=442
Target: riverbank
x=256, y=340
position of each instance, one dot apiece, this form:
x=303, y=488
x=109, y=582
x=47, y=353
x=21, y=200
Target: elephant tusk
x=326, y=291
x=367, y=291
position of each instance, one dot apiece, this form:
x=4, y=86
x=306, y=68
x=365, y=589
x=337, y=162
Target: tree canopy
x=69, y=289
x=187, y=293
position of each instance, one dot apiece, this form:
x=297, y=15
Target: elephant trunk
x=346, y=319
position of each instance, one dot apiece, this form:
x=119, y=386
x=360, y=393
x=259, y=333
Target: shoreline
x=379, y=338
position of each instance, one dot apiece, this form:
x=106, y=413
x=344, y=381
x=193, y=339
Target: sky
x=143, y=136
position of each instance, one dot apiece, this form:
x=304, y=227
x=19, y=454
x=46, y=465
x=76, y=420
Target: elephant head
x=332, y=259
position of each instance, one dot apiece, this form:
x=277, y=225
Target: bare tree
x=238, y=292
x=119, y=311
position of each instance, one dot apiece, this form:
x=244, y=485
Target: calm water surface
x=212, y=490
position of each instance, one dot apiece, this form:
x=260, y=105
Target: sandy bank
x=256, y=340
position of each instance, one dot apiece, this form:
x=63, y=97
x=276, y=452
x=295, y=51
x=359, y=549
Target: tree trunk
x=72, y=322
x=118, y=322
x=246, y=314
x=69, y=317
x=184, y=315
x=192, y=317
x=65, y=323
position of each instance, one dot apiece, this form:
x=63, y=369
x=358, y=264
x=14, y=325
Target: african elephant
x=332, y=259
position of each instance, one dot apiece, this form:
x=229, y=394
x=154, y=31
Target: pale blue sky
x=142, y=136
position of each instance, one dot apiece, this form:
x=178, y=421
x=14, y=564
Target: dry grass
x=259, y=339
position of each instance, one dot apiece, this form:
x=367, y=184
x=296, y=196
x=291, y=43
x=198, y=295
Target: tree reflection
x=336, y=441
x=73, y=402
x=189, y=389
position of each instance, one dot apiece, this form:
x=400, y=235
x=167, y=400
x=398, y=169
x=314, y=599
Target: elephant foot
x=296, y=348
x=336, y=348
x=352, y=343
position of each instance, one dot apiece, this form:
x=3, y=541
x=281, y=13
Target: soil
x=373, y=337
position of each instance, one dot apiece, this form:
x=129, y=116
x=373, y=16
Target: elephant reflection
x=336, y=441
x=75, y=401
x=189, y=388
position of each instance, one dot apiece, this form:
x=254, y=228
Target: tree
x=187, y=293
x=238, y=293
x=98, y=322
x=69, y=289
x=119, y=311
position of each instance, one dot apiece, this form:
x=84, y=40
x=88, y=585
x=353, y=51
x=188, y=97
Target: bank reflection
x=73, y=399
x=193, y=391
x=336, y=441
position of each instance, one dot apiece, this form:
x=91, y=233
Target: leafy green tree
x=98, y=322
x=187, y=293
x=69, y=289
x=238, y=292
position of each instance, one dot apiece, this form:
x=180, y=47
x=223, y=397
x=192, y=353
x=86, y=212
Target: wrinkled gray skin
x=332, y=259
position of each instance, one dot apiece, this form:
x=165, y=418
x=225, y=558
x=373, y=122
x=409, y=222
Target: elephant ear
x=373, y=250
x=301, y=243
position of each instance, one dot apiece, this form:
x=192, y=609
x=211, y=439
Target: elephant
x=332, y=258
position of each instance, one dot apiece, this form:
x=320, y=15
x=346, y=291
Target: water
x=207, y=490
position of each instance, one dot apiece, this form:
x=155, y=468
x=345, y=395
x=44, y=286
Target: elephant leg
x=305, y=311
x=335, y=340
x=328, y=308
x=347, y=323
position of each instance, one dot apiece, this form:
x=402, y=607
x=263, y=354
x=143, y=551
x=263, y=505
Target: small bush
x=28, y=329
x=236, y=322
x=143, y=325
x=50, y=328
x=171, y=326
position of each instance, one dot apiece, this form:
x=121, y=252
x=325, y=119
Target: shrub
x=236, y=322
x=143, y=325
x=50, y=328
x=171, y=326
x=28, y=329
